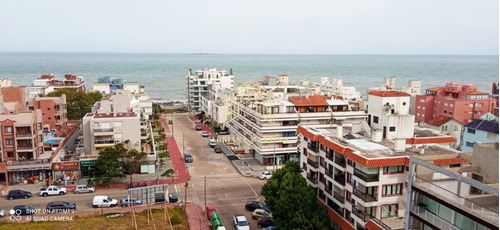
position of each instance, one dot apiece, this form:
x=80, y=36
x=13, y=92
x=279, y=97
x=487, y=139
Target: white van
x=104, y=201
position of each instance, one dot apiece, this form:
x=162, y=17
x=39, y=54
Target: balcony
x=329, y=156
x=313, y=147
x=101, y=130
x=101, y=142
x=340, y=161
x=312, y=163
x=329, y=173
x=432, y=218
x=312, y=178
x=366, y=177
x=24, y=135
x=338, y=197
x=328, y=190
x=340, y=179
x=24, y=147
x=362, y=215
x=364, y=196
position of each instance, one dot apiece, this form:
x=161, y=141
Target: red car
x=210, y=211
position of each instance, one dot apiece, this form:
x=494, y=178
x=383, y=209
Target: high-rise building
x=198, y=84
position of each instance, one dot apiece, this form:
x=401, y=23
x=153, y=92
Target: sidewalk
x=196, y=217
x=175, y=155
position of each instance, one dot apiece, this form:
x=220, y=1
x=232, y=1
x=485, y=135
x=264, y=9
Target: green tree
x=78, y=103
x=107, y=165
x=131, y=160
x=293, y=203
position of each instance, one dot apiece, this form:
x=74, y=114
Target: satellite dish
x=386, y=108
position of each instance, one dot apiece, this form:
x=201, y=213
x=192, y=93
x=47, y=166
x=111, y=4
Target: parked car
x=212, y=143
x=55, y=205
x=23, y=210
x=188, y=158
x=198, y=127
x=127, y=201
x=252, y=205
x=52, y=190
x=103, y=201
x=270, y=228
x=217, y=149
x=265, y=222
x=210, y=211
x=265, y=175
x=204, y=134
x=258, y=213
x=160, y=198
x=2, y=212
x=84, y=188
x=240, y=222
x=18, y=194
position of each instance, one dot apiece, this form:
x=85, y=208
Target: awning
x=27, y=169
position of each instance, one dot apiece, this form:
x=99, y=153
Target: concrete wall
x=485, y=156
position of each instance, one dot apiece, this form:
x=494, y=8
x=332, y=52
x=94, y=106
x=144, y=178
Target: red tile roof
x=370, y=225
x=309, y=101
x=283, y=75
x=389, y=94
x=430, y=140
x=434, y=89
x=376, y=162
x=438, y=121
x=477, y=93
x=447, y=161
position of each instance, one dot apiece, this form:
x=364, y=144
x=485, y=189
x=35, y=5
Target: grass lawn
x=101, y=222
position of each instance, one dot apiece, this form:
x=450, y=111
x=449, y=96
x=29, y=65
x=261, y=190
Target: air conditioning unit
x=9, y=162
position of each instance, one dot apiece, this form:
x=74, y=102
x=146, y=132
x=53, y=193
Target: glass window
x=8, y=129
x=469, y=130
x=392, y=129
x=9, y=142
x=389, y=211
x=445, y=213
x=375, y=119
x=393, y=169
x=394, y=189
x=117, y=123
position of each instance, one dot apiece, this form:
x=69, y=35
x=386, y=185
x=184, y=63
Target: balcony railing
x=101, y=142
x=38, y=161
x=312, y=178
x=338, y=197
x=329, y=173
x=24, y=134
x=364, y=176
x=103, y=129
x=312, y=163
x=340, y=179
x=364, y=196
x=24, y=147
x=340, y=161
x=362, y=215
x=432, y=218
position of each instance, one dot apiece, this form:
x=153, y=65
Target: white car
x=265, y=175
x=52, y=190
x=104, y=201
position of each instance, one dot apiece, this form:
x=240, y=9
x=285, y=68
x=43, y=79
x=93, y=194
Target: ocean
x=164, y=75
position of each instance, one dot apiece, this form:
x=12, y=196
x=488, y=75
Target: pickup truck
x=241, y=222
x=52, y=190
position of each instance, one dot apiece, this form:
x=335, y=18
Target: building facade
x=460, y=102
x=337, y=88
x=483, y=130
x=69, y=81
x=198, y=84
x=54, y=110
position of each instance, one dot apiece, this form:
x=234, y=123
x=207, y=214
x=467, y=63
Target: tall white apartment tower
x=199, y=81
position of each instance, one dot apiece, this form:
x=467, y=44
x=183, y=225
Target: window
x=9, y=142
x=469, y=144
x=423, y=107
x=392, y=129
x=351, y=163
x=305, y=139
x=348, y=197
x=348, y=216
x=418, y=114
x=445, y=111
x=10, y=154
x=304, y=166
x=350, y=179
x=304, y=151
x=451, y=105
x=492, y=136
x=375, y=119
x=450, y=112
x=389, y=211
x=445, y=104
x=454, y=165
x=392, y=190
x=393, y=169
x=8, y=129
x=117, y=123
x=404, y=103
x=469, y=130
x=288, y=134
x=418, y=107
x=422, y=100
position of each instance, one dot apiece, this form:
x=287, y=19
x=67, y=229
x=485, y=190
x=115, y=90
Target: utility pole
x=172, y=124
x=274, y=157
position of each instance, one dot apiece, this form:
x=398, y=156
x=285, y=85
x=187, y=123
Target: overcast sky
x=258, y=26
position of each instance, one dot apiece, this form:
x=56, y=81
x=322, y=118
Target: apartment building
x=483, y=130
x=464, y=196
x=448, y=126
x=45, y=83
x=363, y=182
x=19, y=95
x=198, y=84
x=461, y=102
x=106, y=85
x=213, y=104
x=264, y=122
x=337, y=88
x=22, y=153
x=54, y=111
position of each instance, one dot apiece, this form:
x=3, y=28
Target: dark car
x=198, y=127
x=217, y=149
x=188, y=158
x=127, y=201
x=252, y=205
x=160, y=198
x=55, y=205
x=265, y=222
x=23, y=210
x=18, y=194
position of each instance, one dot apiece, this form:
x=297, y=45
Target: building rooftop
x=389, y=94
x=484, y=125
x=111, y=115
x=438, y=121
x=23, y=118
x=309, y=101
